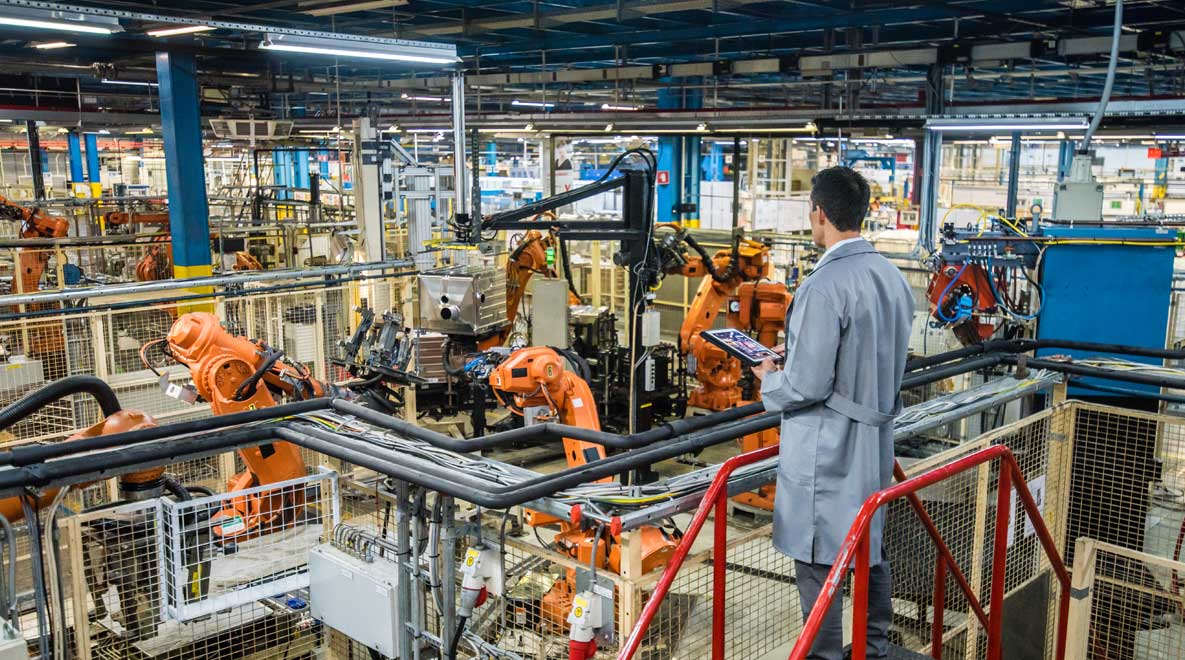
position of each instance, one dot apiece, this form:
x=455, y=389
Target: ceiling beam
x=611, y=12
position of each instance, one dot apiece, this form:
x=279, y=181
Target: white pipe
x=1111, y=66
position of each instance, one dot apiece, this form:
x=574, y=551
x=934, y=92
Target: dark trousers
x=829, y=642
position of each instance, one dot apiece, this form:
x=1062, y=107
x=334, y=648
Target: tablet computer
x=741, y=346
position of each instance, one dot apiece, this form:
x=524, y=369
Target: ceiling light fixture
x=435, y=99
x=993, y=124
x=189, y=29
x=136, y=83
x=363, y=49
x=532, y=104
x=50, y=45
x=624, y=108
x=608, y=127
x=63, y=21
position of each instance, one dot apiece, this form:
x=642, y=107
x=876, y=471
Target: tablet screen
x=740, y=345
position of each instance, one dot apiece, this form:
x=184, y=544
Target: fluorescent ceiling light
x=1169, y=137
x=426, y=130
x=137, y=83
x=5, y=121
x=50, y=45
x=364, y=49
x=1034, y=124
x=627, y=108
x=189, y=29
x=532, y=104
x=63, y=21
x=436, y=99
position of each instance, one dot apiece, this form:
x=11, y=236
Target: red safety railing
x=856, y=546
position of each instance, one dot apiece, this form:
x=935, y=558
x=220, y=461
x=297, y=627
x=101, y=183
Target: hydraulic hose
x=34, y=402
x=1027, y=345
x=545, y=431
x=34, y=454
x=452, y=647
x=1112, y=64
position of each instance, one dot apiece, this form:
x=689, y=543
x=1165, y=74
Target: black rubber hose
x=567, y=264
x=456, y=641
x=35, y=401
x=178, y=490
x=34, y=454
x=935, y=374
x=1099, y=372
x=1122, y=391
x=546, y=431
x=1026, y=345
x=582, y=368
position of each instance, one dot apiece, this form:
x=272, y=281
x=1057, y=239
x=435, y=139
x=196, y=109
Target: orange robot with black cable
x=536, y=377
x=235, y=374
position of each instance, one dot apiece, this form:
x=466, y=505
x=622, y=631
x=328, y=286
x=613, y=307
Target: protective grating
x=1134, y=608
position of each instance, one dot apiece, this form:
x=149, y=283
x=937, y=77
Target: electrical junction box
x=549, y=312
x=1078, y=200
x=356, y=597
x=12, y=644
x=20, y=372
x=651, y=328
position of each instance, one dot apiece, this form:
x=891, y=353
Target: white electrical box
x=12, y=645
x=651, y=328
x=356, y=597
x=549, y=312
x=1078, y=200
x=21, y=372
x=300, y=341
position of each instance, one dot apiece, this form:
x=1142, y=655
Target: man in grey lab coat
x=847, y=336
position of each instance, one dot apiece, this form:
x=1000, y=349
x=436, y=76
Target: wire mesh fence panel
x=1128, y=605
x=227, y=550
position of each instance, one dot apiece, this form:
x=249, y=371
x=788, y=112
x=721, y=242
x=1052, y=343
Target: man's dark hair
x=843, y=193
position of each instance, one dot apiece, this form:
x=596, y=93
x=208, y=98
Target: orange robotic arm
x=157, y=262
x=35, y=223
x=236, y=374
x=717, y=373
x=536, y=377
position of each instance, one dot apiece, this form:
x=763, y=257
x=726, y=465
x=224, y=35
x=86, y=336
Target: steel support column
x=300, y=164
x=93, y=169
x=1013, y=176
x=36, y=164
x=670, y=162
x=74, y=148
x=928, y=191
x=181, y=127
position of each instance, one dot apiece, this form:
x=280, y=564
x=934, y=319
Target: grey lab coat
x=847, y=336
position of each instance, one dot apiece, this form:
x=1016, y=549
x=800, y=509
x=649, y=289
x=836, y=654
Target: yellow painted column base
x=190, y=272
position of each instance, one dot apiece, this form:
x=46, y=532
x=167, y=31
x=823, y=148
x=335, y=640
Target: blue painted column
x=670, y=161
x=74, y=148
x=492, y=157
x=181, y=127
x=280, y=173
x=301, y=159
x=93, y=168
x=714, y=169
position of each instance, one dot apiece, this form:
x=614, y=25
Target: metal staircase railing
x=856, y=548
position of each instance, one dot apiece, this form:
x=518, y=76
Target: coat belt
x=859, y=412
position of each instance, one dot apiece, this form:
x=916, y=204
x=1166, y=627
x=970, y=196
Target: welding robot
x=736, y=280
x=235, y=374
x=30, y=267
x=157, y=262
x=540, y=389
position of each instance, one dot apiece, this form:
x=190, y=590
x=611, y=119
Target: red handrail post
x=999, y=557
x=719, y=556
x=937, y=629
x=860, y=600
